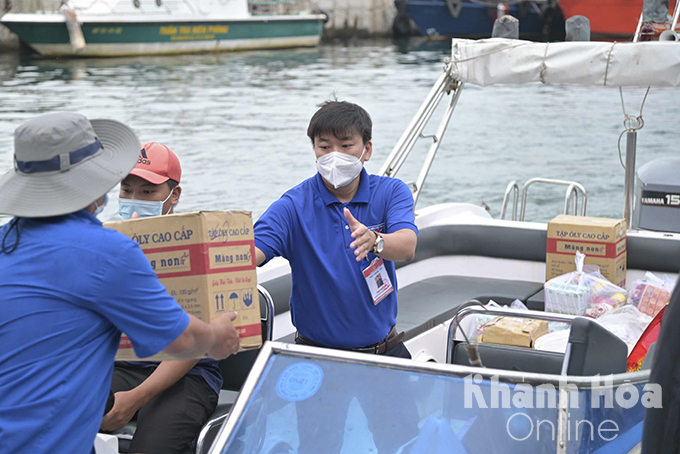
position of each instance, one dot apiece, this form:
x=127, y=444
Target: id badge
x=377, y=279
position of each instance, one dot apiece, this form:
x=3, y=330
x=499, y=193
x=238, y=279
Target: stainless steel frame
x=500, y=311
x=450, y=370
x=629, y=183
x=446, y=84
x=572, y=186
x=514, y=187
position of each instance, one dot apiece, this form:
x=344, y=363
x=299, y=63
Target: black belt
x=381, y=347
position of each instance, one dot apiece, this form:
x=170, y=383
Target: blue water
x=238, y=121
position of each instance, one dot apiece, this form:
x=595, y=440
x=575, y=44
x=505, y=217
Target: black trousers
x=171, y=421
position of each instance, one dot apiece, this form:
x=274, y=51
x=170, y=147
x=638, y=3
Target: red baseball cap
x=157, y=164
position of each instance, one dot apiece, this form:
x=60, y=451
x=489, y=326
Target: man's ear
x=176, y=193
x=369, y=151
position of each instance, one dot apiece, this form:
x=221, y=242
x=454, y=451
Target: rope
x=14, y=223
x=543, y=68
x=630, y=122
x=609, y=57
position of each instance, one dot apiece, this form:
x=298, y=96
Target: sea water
x=238, y=122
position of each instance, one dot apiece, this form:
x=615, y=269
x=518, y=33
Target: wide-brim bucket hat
x=63, y=162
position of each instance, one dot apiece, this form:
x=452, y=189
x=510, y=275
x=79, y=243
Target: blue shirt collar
x=84, y=214
x=362, y=195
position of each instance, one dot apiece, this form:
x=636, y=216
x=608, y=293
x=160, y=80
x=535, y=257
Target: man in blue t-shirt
x=172, y=400
x=341, y=230
x=68, y=287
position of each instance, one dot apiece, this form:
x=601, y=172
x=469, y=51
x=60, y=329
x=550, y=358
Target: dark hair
x=172, y=184
x=340, y=118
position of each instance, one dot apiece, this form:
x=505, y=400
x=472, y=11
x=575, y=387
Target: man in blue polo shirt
x=68, y=287
x=341, y=230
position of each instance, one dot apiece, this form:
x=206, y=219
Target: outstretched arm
x=399, y=245
x=217, y=339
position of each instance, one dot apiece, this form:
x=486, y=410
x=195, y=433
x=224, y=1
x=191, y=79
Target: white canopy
x=510, y=61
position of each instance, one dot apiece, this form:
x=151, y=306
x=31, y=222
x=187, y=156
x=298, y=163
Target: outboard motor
x=657, y=196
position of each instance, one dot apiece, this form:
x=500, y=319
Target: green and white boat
x=101, y=28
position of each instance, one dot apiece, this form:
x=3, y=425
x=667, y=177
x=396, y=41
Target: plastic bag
x=482, y=320
x=474, y=325
x=651, y=294
x=627, y=323
x=583, y=292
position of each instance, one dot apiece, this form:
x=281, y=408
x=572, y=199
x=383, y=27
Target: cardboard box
x=602, y=240
x=520, y=332
x=206, y=260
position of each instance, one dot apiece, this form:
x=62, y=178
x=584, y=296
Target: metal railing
x=570, y=198
x=500, y=311
x=512, y=186
x=572, y=187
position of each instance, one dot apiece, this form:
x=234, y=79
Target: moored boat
x=539, y=19
x=617, y=19
x=146, y=27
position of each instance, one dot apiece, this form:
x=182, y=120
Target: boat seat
x=537, y=302
x=592, y=349
x=430, y=302
x=507, y=357
x=519, y=243
x=443, y=295
x=280, y=288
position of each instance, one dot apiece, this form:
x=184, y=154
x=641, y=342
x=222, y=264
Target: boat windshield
x=356, y=403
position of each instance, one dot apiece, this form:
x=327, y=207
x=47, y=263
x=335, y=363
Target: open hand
x=364, y=239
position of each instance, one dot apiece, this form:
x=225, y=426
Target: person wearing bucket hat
x=171, y=400
x=68, y=287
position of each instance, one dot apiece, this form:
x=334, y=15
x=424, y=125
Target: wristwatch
x=379, y=244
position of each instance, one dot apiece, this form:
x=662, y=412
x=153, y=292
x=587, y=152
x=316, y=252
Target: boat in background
x=100, y=28
x=608, y=18
x=618, y=19
x=538, y=19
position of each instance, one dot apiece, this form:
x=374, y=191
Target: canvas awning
x=508, y=61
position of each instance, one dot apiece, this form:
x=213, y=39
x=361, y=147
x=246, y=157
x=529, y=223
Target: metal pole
x=415, y=127
x=676, y=15
x=437, y=141
x=636, y=36
x=629, y=184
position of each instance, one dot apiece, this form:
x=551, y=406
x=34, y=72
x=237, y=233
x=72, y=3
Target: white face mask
x=339, y=169
x=143, y=208
x=99, y=208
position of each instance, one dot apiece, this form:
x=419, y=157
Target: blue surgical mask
x=99, y=208
x=143, y=208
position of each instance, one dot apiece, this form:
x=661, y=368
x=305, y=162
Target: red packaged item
x=649, y=336
x=653, y=299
